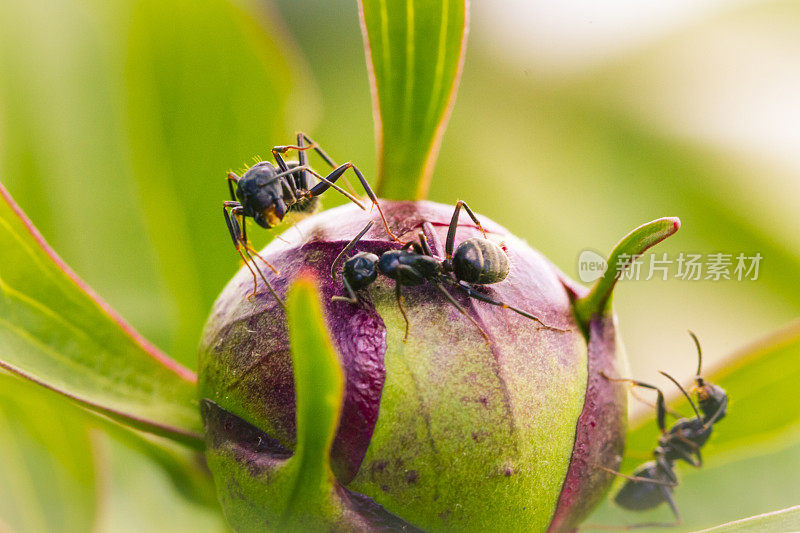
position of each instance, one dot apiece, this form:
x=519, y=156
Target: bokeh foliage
x=113, y=116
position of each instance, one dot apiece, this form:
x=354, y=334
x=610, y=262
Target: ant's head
x=360, y=270
x=711, y=398
x=260, y=193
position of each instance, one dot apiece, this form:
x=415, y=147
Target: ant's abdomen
x=641, y=495
x=480, y=261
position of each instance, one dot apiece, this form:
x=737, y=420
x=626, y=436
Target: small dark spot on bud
x=412, y=476
x=508, y=472
x=478, y=436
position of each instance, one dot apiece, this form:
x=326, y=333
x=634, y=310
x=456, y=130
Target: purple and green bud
x=442, y=432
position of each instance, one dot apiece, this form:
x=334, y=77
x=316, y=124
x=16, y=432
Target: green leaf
x=783, y=520
x=415, y=53
x=142, y=496
x=69, y=444
x=119, y=123
x=48, y=472
x=56, y=332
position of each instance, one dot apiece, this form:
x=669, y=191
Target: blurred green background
x=575, y=122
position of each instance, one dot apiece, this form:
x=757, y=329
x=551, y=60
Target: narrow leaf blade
x=783, y=520
x=415, y=53
x=319, y=386
x=56, y=332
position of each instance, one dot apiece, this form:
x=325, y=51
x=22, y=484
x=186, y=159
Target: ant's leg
x=432, y=239
x=423, y=241
x=661, y=409
x=317, y=148
x=671, y=503
x=282, y=149
x=240, y=243
x=637, y=478
x=237, y=211
x=289, y=189
x=303, y=180
x=232, y=178
x=353, y=299
x=693, y=455
x=652, y=405
x=667, y=468
x=269, y=287
x=413, y=245
x=451, y=230
x=461, y=310
x=399, y=296
x=689, y=458
x=235, y=231
x=333, y=176
x=325, y=157
x=472, y=293
x=349, y=247
x=718, y=414
x=327, y=182
x=255, y=253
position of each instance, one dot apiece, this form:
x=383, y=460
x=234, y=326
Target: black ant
x=266, y=193
x=475, y=261
x=652, y=483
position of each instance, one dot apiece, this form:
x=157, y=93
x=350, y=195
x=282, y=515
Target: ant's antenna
x=686, y=394
x=699, y=356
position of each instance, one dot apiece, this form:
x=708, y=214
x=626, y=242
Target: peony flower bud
x=444, y=431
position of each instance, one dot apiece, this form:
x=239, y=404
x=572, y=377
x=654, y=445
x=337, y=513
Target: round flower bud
x=446, y=430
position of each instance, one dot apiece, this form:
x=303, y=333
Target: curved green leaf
x=415, y=52
x=783, y=520
x=55, y=331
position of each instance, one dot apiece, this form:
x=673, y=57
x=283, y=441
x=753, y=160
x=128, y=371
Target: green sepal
x=634, y=244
